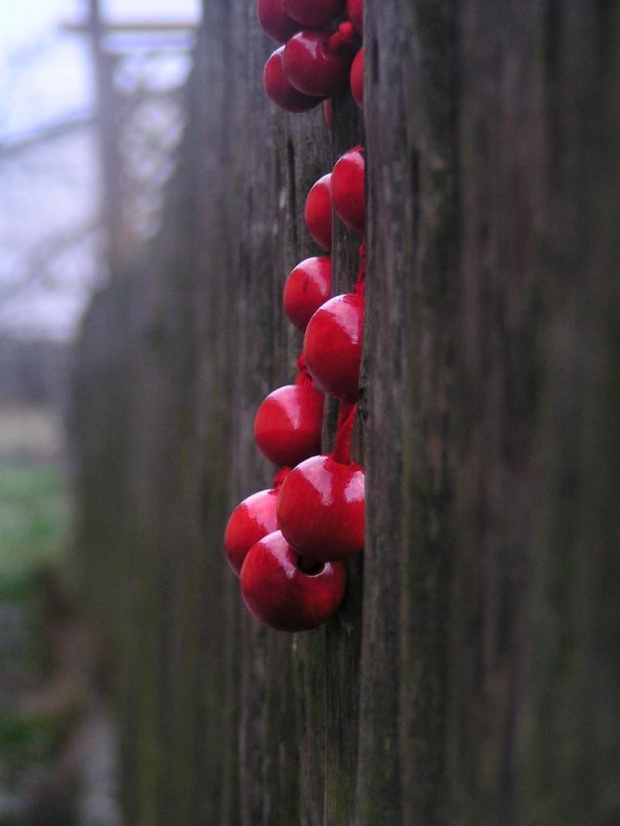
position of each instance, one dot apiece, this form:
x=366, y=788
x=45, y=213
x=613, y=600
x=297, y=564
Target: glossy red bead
x=311, y=67
x=250, y=521
x=321, y=508
x=280, y=91
x=275, y=21
x=284, y=597
x=288, y=424
x=306, y=288
x=348, y=189
x=313, y=12
x=318, y=211
x=355, y=13
x=357, y=78
x=333, y=345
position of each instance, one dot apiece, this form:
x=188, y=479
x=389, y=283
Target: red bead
x=318, y=211
x=355, y=13
x=313, y=12
x=311, y=67
x=275, y=21
x=306, y=288
x=280, y=91
x=333, y=345
x=348, y=191
x=288, y=424
x=284, y=597
x=250, y=521
x=321, y=509
x=357, y=78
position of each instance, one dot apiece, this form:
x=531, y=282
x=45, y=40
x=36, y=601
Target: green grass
x=34, y=517
x=34, y=535
x=34, y=527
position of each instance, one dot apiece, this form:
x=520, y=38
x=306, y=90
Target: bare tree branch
x=38, y=266
x=46, y=133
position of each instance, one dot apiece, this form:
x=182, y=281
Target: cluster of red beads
x=287, y=543
x=321, y=50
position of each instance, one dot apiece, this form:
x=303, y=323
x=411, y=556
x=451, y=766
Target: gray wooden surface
x=471, y=675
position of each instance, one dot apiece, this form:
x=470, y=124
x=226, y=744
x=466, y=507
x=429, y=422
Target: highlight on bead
x=312, y=67
x=333, y=345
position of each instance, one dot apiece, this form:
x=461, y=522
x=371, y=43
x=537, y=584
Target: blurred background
x=91, y=115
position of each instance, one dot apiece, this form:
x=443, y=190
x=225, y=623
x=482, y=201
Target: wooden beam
x=131, y=27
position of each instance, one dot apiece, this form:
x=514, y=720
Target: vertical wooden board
x=309, y=654
x=571, y=728
x=275, y=160
x=230, y=308
x=600, y=526
x=164, y=524
x=501, y=164
x=343, y=633
x=308, y=159
x=429, y=273
x=389, y=264
x=219, y=703
x=115, y=589
x=301, y=158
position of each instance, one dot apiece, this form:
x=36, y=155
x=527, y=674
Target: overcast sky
x=52, y=190
x=44, y=75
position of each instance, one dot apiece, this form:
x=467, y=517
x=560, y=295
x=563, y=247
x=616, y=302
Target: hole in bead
x=310, y=567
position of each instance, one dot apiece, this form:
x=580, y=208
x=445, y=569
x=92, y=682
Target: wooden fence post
x=471, y=676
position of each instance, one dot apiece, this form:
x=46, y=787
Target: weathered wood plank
x=470, y=675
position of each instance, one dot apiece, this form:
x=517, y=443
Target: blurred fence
x=469, y=677
x=33, y=371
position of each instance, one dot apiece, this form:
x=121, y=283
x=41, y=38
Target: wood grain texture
x=471, y=675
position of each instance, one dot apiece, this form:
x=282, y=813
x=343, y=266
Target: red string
x=303, y=376
x=278, y=479
x=346, y=419
x=344, y=38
